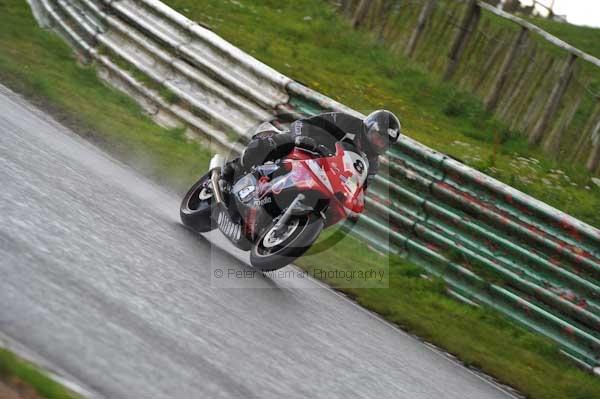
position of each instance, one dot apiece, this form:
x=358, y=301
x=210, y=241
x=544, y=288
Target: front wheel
x=196, y=207
x=277, y=248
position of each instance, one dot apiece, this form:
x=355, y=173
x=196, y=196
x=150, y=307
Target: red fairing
x=340, y=177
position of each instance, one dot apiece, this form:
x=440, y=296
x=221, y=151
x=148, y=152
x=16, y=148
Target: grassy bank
x=480, y=337
x=24, y=377
x=41, y=66
x=308, y=41
x=583, y=37
x=480, y=64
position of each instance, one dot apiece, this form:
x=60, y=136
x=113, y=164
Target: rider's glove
x=257, y=151
x=307, y=143
x=323, y=150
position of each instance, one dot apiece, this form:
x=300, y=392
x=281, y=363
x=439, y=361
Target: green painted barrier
x=492, y=244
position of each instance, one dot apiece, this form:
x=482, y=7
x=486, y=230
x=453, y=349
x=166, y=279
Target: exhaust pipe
x=220, y=213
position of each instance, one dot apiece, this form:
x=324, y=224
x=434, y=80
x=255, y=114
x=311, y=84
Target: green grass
x=471, y=75
x=38, y=64
x=480, y=337
x=322, y=53
x=584, y=38
x=351, y=67
x=11, y=368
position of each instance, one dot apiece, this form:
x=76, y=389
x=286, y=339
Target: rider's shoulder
x=338, y=116
x=265, y=130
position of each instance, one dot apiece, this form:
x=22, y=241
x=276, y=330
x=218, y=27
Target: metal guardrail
x=492, y=244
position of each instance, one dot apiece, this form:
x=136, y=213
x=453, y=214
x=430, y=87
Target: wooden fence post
x=424, y=16
x=360, y=13
x=347, y=6
x=491, y=59
x=552, y=144
x=385, y=19
x=515, y=99
x=467, y=26
x=533, y=99
x=492, y=100
x=395, y=8
x=593, y=162
x=582, y=144
x=537, y=134
x=374, y=15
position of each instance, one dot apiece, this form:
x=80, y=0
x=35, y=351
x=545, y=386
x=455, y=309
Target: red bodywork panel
x=339, y=177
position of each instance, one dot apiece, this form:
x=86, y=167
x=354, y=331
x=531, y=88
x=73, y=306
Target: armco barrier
x=492, y=244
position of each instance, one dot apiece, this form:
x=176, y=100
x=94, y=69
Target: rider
x=371, y=136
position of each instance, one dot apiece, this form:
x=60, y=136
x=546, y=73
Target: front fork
x=216, y=165
x=295, y=208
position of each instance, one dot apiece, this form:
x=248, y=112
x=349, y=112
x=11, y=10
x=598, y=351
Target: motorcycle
x=278, y=209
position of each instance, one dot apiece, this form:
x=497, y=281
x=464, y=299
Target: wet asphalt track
x=98, y=278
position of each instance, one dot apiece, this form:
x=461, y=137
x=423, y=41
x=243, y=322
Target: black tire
x=194, y=212
x=302, y=238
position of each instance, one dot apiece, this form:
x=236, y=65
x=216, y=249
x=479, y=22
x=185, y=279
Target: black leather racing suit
x=325, y=129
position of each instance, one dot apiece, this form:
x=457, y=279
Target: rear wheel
x=278, y=247
x=196, y=207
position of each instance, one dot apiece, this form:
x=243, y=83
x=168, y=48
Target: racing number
x=359, y=166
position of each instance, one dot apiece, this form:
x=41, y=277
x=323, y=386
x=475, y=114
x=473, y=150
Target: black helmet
x=382, y=129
